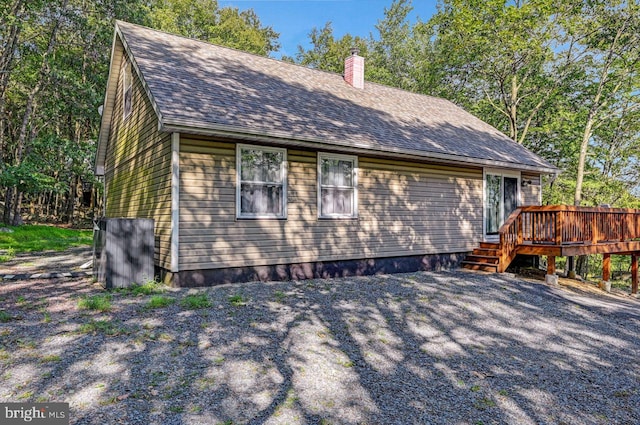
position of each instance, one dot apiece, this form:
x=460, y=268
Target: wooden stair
x=485, y=258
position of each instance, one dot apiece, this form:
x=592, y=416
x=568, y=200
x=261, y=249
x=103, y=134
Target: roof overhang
x=295, y=140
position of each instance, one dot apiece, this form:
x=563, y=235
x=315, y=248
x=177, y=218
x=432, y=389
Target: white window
x=337, y=186
x=127, y=88
x=262, y=182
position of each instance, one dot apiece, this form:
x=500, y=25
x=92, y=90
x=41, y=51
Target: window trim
x=127, y=86
x=284, y=171
x=354, y=160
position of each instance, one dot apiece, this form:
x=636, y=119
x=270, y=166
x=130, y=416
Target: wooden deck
x=560, y=230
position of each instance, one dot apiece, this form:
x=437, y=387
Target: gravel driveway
x=418, y=348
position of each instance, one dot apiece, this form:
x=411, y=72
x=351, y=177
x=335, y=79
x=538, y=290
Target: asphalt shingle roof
x=201, y=85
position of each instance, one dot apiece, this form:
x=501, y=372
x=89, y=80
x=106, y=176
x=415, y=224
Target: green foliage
x=159, y=301
x=150, y=287
x=205, y=20
x=101, y=302
x=101, y=326
x=50, y=358
x=327, y=53
x=7, y=254
x=42, y=238
x=237, y=300
x=5, y=317
x=193, y=302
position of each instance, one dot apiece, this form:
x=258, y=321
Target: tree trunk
x=582, y=266
x=17, y=206
x=8, y=197
x=6, y=60
x=584, y=147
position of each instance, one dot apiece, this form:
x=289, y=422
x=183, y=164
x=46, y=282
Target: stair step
x=489, y=245
x=480, y=266
x=486, y=252
x=485, y=259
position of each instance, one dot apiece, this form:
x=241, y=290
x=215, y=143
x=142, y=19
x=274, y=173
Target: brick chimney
x=354, y=69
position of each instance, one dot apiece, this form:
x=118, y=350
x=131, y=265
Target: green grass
x=101, y=326
x=193, y=302
x=280, y=296
x=5, y=317
x=50, y=358
x=159, y=301
x=95, y=302
x=7, y=254
x=237, y=300
x=150, y=287
x=36, y=238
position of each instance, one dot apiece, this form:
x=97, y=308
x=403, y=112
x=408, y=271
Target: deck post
x=571, y=274
x=595, y=234
x=559, y=224
x=606, y=267
x=634, y=273
x=551, y=277
x=605, y=283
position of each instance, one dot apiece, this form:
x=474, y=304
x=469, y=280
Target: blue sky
x=294, y=19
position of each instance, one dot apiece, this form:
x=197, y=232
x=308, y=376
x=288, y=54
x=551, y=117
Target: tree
x=499, y=58
x=327, y=53
x=610, y=36
x=205, y=20
x=393, y=54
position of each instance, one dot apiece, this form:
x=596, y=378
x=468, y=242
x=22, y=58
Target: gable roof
x=198, y=87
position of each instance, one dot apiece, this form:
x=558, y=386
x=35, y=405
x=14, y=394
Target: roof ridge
x=196, y=40
x=282, y=62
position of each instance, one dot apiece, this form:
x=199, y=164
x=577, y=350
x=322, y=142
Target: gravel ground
x=418, y=348
x=71, y=259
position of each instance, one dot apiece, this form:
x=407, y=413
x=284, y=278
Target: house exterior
x=257, y=169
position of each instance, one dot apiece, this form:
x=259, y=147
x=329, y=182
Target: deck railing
x=565, y=225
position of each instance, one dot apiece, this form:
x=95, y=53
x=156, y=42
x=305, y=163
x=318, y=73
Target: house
x=257, y=169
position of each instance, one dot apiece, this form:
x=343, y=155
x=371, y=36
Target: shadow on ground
x=448, y=347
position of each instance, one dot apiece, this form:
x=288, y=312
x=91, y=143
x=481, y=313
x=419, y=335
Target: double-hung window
x=127, y=88
x=261, y=191
x=337, y=186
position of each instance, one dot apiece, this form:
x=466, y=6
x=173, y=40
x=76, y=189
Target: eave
x=294, y=140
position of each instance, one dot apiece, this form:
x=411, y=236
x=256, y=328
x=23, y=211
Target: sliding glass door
x=501, y=195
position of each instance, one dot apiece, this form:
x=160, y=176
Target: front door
x=501, y=195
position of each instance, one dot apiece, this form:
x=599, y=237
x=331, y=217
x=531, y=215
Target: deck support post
x=571, y=273
x=551, y=277
x=605, y=283
x=606, y=267
x=634, y=273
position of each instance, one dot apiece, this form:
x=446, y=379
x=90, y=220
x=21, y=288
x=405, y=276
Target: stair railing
x=510, y=237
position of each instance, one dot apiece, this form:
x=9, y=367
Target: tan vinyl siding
x=138, y=169
x=531, y=192
x=404, y=209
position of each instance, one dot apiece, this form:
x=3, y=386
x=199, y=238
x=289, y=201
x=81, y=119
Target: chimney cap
x=354, y=51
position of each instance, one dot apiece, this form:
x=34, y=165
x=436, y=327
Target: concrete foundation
x=605, y=285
